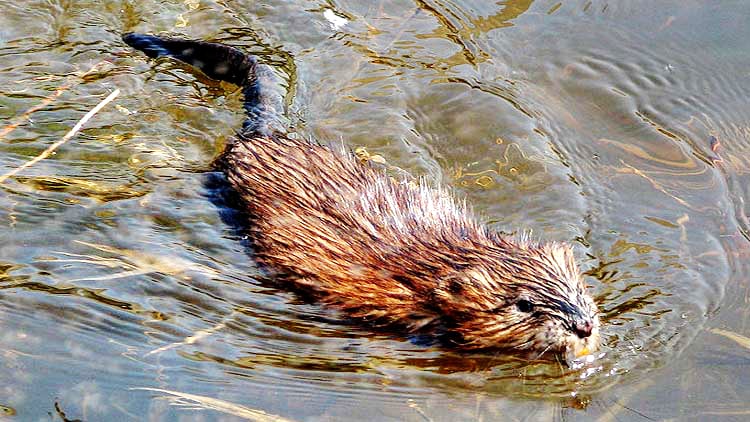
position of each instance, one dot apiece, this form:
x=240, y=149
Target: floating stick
x=47, y=152
x=19, y=120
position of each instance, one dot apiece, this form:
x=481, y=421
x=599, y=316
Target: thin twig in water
x=195, y=401
x=630, y=169
x=18, y=121
x=414, y=405
x=25, y=116
x=621, y=403
x=47, y=152
x=738, y=338
x=200, y=334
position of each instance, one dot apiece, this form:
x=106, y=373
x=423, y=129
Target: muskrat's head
x=527, y=298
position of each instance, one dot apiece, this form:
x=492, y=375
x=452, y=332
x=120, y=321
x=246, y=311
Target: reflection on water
x=621, y=127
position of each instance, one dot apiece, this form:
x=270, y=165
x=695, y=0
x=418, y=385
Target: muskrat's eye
x=524, y=305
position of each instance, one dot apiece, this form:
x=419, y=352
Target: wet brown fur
x=402, y=254
x=392, y=252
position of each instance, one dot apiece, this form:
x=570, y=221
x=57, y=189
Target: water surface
x=621, y=127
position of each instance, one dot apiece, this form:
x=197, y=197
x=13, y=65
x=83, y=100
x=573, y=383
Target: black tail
x=263, y=101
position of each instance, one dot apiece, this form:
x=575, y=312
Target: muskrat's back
x=384, y=250
x=365, y=242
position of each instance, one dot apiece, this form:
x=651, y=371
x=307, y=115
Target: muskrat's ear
x=450, y=288
x=456, y=293
x=454, y=286
x=447, y=288
x=449, y=299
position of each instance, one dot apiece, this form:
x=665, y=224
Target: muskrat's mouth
x=581, y=350
x=568, y=348
x=555, y=344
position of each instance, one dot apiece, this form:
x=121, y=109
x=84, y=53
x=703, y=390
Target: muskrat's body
x=382, y=250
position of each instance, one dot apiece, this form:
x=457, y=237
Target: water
x=621, y=127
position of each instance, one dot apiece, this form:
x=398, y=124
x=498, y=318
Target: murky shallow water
x=619, y=126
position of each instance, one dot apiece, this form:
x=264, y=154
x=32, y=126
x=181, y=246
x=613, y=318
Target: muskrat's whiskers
x=491, y=361
x=539, y=356
x=559, y=364
x=524, y=345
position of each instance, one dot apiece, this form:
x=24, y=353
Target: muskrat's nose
x=583, y=328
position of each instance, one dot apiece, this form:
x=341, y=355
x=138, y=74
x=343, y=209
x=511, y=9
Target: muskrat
x=381, y=250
